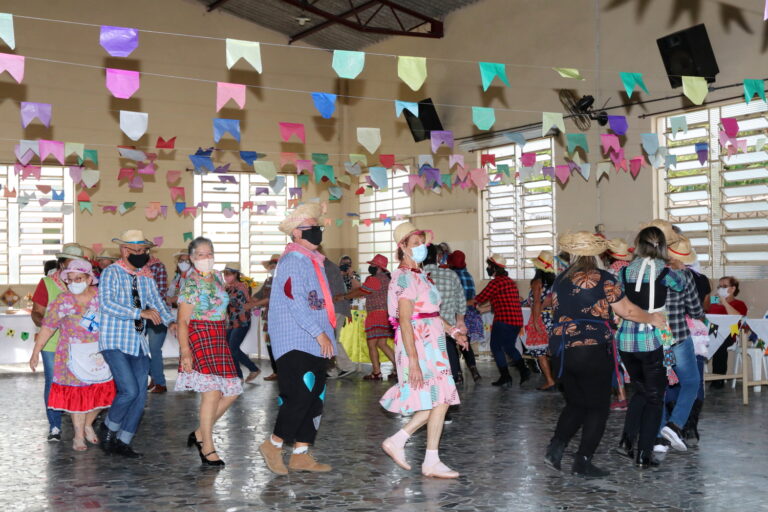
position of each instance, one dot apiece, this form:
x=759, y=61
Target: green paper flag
x=569, y=73
x=447, y=180
x=266, y=169
x=576, y=140
x=695, y=89
x=86, y=205
x=412, y=71
x=354, y=157
x=491, y=70
x=339, y=223
x=320, y=158
x=302, y=180
x=753, y=86
x=324, y=171
x=345, y=179
x=678, y=124
x=24, y=336
x=188, y=236
x=226, y=206
x=503, y=168
x=89, y=154
x=550, y=119
x=348, y=64
x=483, y=117
x=630, y=80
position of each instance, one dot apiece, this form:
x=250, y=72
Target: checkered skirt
x=212, y=366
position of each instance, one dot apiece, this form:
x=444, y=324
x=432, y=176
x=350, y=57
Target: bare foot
x=79, y=445
x=90, y=435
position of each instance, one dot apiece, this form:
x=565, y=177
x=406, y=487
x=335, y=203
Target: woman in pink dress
x=425, y=385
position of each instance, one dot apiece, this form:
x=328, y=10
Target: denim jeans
x=687, y=370
x=156, y=340
x=235, y=338
x=54, y=417
x=130, y=375
x=503, y=339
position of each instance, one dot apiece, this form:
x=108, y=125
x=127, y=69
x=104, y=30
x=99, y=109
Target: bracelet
x=453, y=331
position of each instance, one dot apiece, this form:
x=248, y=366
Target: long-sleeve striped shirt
x=160, y=274
x=117, y=312
x=448, y=284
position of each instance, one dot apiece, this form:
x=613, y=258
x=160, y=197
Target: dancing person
x=238, y=320
x=129, y=300
x=581, y=348
x=260, y=299
x=473, y=321
x=725, y=303
x=156, y=333
x=301, y=326
x=80, y=387
x=205, y=362
x=425, y=388
x=342, y=365
x=378, y=330
x=504, y=298
x=646, y=283
x=45, y=293
x=617, y=256
x=104, y=259
x=540, y=322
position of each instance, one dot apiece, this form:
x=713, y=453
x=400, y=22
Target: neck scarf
x=56, y=277
x=142, y=272
x=317, y=260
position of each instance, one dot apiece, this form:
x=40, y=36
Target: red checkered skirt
x=210, y=352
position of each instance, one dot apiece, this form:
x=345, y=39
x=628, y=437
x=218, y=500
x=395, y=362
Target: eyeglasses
x=139, y=324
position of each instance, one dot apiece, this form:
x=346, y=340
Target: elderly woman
x=537, y=330
x=724, y=302
x=206, y=364
x=580, y=344
x=183, y=266
x=239, y=319
x=425, y=387
x=82, y=384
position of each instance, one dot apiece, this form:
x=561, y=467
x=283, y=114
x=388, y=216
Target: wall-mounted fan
x=582, y=109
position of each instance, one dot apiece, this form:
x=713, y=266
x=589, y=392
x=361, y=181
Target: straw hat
x=133, y=237
x=79, y=267
x=179, y=254
x=544, y=261
x=106, y=254
x=274, y=259
x=301, y=213
x=232, y=267
x=666, y=227
x=582, y=243
x=71, y=252
x=498, y=260
x=682, y=250
x=406, y=229
x=88, y=252
x=618, y=248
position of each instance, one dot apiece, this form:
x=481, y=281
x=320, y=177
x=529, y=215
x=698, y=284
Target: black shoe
x=207, y=462
x=54, y=435
x=504, y=381
x=691, y=429
x=475, y=374
x=107, y=438
x=625, y=448
x=554, y=454
x=459, y=380
x=645, y=460
x=192, y=440
x=582, y=465
x=525, y=373
x=674, y=435
x=717, y=384
x=125, y=450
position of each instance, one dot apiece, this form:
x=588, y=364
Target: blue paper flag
x=379, y=176
x=249, y=156
x=516, y=137
x=650, y=143
x=58, y=195
x=180, y=207
x=222, y=126
x=201, y=162
x=325, y=103
x=204, y=152
x=410, y=106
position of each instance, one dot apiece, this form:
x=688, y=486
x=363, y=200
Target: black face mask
x=313, y=235
x=344, y=267
x=372, y=270
x=138, y=260
x=491, y=271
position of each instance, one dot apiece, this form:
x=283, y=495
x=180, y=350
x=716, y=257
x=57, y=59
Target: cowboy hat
x=106, y=254
x=582, y=243
x=71, y=252
x=406, y=229
x=179, y=254
x=498, y=260
x=300, y=214
x=545, y=261
x=666, y=227
x=619, y=249
x=132, y=237
x=274, y=259
x=232, y=267
x=682, y=250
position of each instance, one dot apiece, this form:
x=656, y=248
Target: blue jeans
x=54, y=417
x=156, y=340
x=687, y=370
x=130, y=375
x=235, y=338
x=503, y=339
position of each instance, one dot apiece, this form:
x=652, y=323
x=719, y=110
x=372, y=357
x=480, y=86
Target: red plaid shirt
x=502, y=293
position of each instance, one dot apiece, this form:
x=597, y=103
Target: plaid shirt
x=161, y=276
x=448, y=284
x=467, y=282
x=117, y=313
x=502, y=293
x=680, y=304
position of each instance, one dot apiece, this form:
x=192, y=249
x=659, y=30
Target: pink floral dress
x=439, y=387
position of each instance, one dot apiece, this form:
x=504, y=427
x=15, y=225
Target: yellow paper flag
x=695, y=88
x=569, y=73
x=412, y=71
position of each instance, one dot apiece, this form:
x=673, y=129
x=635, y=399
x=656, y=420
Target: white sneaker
x=54, y=434
x=660, y=452
x=671, y=435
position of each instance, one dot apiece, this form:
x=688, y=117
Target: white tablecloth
x=488, y=321
x=724, y=323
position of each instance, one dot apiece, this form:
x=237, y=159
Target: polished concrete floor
x=496, y=441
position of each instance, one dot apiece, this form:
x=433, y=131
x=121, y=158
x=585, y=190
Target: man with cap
x=301, y=323
x=260, y=299
x=130, y=302
x=156, y=333
x=46, y=292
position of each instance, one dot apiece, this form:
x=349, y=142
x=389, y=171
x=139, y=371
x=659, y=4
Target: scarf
x=56, y=278
x=317, y=260
x=142, y=272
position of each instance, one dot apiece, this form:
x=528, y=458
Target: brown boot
x=273, y=456
x=306, y=462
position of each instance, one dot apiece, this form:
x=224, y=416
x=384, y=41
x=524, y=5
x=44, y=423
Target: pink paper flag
x=177, y=192
x=724, y=139
x=487, y=159
x=28, y=171
x=618, y=159
x=635, y=164
x=732, y=150
x=190, y=210
x=609, y=141
x=76, y=173
x=24, y=157
x=730, y=125
x=226, y=91
x=136, y=182
x=43, y=201
x=112, y=209
x=52, y=147
x=367, y=222
x=122, y=83
x=125, y=174
x=563, y=172
x=479, y=177
x=172, y=176
x=288, y=158
x=304, y=166
x=147, y=169
x=462, y=173
x=13, y=64
x=158, y=241
x=97, y=247
x=455, y=160
x=151, y=212
x=742, y=145
x=289, y=129
x=528, y=159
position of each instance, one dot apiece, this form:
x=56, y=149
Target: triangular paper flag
x=695, y=89
x=491, y=70
x=412, y=71
x=630, y=80
x=551, y=119
x=569, y=73
x=248, y=50
x=134, y=124
x=226, y=91
x=369, y=138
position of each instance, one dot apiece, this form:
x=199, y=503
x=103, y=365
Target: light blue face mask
x=419, y=253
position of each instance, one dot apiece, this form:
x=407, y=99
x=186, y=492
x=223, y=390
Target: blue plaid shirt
x=467, y=282
x=117, y=313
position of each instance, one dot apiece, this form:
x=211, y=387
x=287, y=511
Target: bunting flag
x=412, y=71
x=348, y=64
x=754, y=86
x=119, y=41
x=246, y=50
x=226, y=91
x=325, y=103
x=13, y=64
x=30, y=111
x=551, y=120
x=631, y=80
x=576, y=140
x=6, y=30
x=491, y=70
x=122, y=83
x=224, y=126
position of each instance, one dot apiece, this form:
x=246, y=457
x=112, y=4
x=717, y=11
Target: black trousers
x=454, y=352
x=649, y=379
x=586, y=383
x=720, y=358
x=272, y=361
x=301, y=380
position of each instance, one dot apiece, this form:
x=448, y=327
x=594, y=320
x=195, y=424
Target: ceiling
x=280, y=15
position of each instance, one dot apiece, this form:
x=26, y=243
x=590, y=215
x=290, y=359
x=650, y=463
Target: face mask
x=313, y=235
x=138, y=260
x=77, y=288
x=184, y=266
x=204, y=266
x=344, y=267
x=419, y=253
x=722, y=292
x=372, y=270
x=491, y=271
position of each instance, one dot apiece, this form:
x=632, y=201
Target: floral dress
x=213, y=368
x=537, y=342
x=81, y=378
x=439, y=387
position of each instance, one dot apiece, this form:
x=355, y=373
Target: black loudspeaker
x=422, y=126
x=688, y=53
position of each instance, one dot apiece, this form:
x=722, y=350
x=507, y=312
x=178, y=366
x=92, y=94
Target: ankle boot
x=554, y=453
x=645, y=460
x=505, y=379
x=525, y=373
x=626, y=447
x=691, y=428
x=475, y=374
x=582, y=465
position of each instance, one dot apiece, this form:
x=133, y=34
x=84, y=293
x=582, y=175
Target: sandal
x=373, y=376
x=392, y=376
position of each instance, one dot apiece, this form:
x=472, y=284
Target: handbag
x=87, y=364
